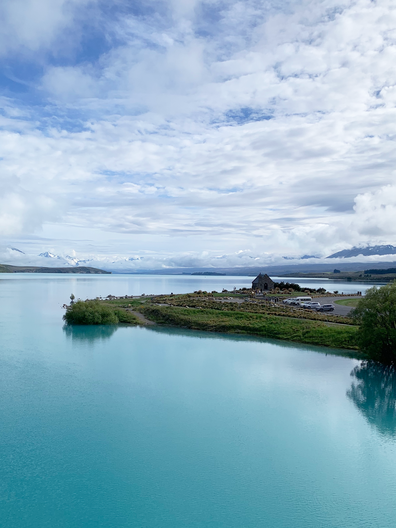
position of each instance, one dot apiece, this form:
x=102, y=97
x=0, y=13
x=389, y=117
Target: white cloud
x=209, y=121
x=34, y=25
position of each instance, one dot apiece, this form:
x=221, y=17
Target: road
x=338, y=308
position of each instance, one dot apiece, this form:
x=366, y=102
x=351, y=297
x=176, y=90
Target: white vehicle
x=288, y=301
x=301, y=300
x=312, y=305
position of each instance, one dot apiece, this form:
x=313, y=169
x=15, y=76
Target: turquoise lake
x=156, y=427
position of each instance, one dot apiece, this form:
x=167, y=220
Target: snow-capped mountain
x=150, y=260
x=47, y=254
x=366, y=252
x=304, y=257
x=73, y=261
x=114, y=262
x=58, y=260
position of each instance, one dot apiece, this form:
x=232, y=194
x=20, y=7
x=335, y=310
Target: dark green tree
x=376, y=316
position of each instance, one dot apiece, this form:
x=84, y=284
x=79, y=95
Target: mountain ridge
x=367, y=251
x=8, y=268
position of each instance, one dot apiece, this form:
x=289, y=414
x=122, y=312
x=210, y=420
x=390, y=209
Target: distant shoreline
x=7, y=268
x=343, y=276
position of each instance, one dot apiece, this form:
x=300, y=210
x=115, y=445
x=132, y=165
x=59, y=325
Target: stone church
x=262, y=283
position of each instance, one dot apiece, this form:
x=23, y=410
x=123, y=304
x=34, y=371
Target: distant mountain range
x=304, y=257
x=365, y=252
x=357, y=257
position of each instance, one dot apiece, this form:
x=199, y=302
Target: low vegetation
x=97, y=313
x=264, y=325
x=252, y=306
x=348, y=302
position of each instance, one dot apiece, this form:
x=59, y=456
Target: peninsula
x=238, y=312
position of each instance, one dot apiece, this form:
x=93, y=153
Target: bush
x=90, y=313
x=287, y=285
x=376, y=316
x=125, y=317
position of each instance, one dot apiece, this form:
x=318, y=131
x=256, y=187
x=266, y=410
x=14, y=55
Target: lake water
x=138, y=427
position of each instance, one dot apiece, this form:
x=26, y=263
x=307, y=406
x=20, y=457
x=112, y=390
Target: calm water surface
x=137, y=427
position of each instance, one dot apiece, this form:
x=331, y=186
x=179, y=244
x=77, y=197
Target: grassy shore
x=208, y=313
x=348, y=302
x=236, y=322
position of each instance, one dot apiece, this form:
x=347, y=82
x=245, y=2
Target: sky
x=187, y=132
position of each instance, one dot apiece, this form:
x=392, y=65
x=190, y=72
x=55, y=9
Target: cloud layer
x=263, y=126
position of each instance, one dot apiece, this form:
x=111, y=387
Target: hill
x=7, y=268
x=366, y=252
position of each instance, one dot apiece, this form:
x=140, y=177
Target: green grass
x=348, y=302
x=262, y=307
x=298, y=330
x=122, y=303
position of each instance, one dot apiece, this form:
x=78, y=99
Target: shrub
x=125, y=317
x=90, y=313
x=287, y=285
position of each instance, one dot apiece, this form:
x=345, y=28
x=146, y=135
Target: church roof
x=261, y=277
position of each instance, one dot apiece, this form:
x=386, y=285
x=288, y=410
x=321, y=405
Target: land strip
x=242, y=313
x=236, y=322
x=6, y=268
x=349, y=276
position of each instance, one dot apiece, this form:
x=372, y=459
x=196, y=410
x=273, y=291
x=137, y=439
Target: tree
x=72, y=297
x=376, y=316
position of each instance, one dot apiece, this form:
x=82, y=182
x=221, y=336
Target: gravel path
x=143, y=320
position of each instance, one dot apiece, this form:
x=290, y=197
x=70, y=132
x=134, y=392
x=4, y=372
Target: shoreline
x=234, y=313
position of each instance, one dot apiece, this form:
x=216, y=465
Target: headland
x=8, y=268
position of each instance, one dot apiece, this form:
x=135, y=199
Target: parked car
x=287, y=301
x=326, y=308
x=313, y=305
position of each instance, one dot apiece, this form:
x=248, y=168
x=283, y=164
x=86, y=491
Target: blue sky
x=197, y=132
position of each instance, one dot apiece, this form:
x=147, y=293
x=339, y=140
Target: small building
x=263, y=283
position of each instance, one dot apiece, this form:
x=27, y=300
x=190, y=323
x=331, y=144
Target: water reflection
x=373, y=391
x=89, y=333
x=202, y=334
